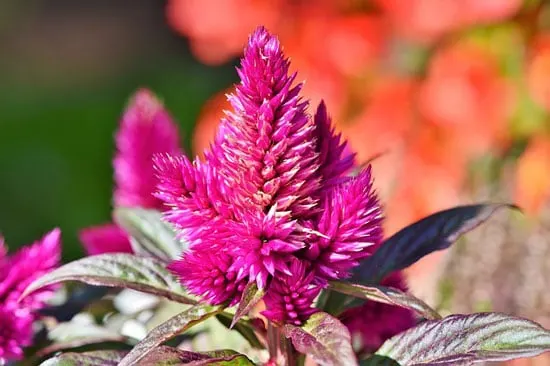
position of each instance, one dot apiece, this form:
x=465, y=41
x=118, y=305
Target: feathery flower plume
x=16, y=273
x=350, y=223
x=335, y=158
x=372, y=323
x=146, y=129
x=270, y=201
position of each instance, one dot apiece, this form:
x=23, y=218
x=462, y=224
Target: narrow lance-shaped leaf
x=465, y=340
x=386, y=295
x=150, y=235
x=167, y=330
x=251, y=296
x=323, y=338
x=118, y=270
x=435, y=232
x=164, y=355
x=92, y=358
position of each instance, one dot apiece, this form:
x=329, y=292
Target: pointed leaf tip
x=324, y=338
x=167, y=330
x=251, y=296
x=467, y=339
x=118, y=270
x=386, y=295
x=435, y=232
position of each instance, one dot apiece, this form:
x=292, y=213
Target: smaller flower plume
x=290, y=297
x=209, y=274
x=146, y=129
x=271, y=202
x=350, y=223
x=16, y=273
x=373, y=323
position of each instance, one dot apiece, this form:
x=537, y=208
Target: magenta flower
x=272, y=200
x=350, y=223
x=146, y=129
x=373, y=323
x=290, y=296
x=16, y=273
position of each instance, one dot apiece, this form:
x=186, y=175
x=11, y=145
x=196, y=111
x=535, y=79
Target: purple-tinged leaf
x=386, y=295
x=466, y=339
x=167, y=330
x=435, y=232
x=160, y=356
x=92, y=358
x=164, y=355
x=323, y=338
x=150, y=236
x=118, y=270
x=251, y=296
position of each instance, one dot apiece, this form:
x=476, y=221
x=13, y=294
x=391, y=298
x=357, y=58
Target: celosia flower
x=350, y=223
x=16, y=273
x=270, y=201
x=373, y=323
x=290, y=296
x=146, y=129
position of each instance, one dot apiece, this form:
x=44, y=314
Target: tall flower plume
x=146, y=129
x=267, y=203
x=16, y=273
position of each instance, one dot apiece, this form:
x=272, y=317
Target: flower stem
x=273, y=337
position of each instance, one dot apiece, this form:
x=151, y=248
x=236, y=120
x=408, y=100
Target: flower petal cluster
x=372, y=323
x=272, y=202
x=16, y=273
x=146, y=129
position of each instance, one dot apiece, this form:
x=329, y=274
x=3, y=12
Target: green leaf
x=118, y=270
x=93, y=358
x=166, y=356
x=323, y=338
x=150, y=235
x=467, y=339
x=386, y=295
x=160, y=356
x=167, y=330
x=251, y=296
x=435, y=232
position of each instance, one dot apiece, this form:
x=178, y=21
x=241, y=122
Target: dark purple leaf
x=118, y=270
x=465, y=340
x=386, y=295
x=251, y=296
x=435, y=232
x=150, y=235
x=323, y=338
x=167, y=330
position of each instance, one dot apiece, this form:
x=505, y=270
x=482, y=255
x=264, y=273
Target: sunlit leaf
x=167, y=330
x=323, y=338
x=150, y=235
x=93, y=358
x=465, y=340
x=118, y=270
x=435, y=232
x=386, y=295
x=251, y=296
